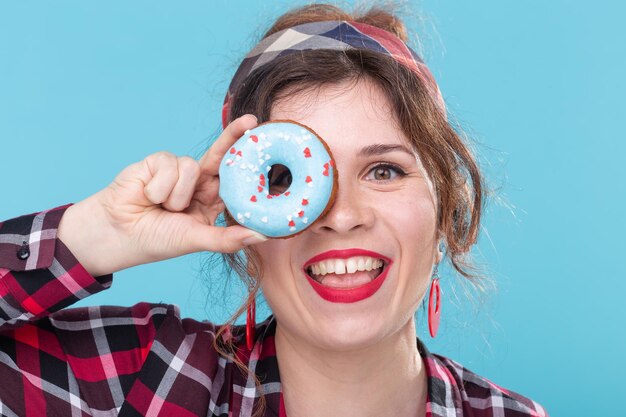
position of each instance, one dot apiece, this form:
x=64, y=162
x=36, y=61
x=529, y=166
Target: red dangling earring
x=250, y=324
x=434, y=311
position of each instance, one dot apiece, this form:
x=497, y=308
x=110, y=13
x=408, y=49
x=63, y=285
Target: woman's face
x=383, y=205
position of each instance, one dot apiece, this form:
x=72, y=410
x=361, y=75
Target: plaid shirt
x=145, y=360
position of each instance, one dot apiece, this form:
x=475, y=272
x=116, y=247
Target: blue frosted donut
x=244, y=184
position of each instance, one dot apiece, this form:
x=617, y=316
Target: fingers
x=210, y=161
x=222, y=239
x=188, y=174
x=173, y=180
x=163, y=167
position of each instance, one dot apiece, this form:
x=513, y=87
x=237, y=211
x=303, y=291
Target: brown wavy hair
x=457, y=181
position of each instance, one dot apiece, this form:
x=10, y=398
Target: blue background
x=87, y=88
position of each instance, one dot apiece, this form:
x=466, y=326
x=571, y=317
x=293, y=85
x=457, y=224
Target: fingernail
x=255, y=238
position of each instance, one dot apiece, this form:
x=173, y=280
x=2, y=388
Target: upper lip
x=345, y=254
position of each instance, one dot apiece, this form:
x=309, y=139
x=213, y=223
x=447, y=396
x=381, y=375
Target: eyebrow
x=380, y=149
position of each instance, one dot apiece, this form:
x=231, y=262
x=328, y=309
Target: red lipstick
x=351, y=295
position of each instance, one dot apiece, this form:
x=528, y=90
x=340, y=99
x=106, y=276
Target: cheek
x=412, y=222
x=269, y=254
x=413, y=219
x=275, y=257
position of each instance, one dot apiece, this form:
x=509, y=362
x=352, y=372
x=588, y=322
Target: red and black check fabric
x=146, y=360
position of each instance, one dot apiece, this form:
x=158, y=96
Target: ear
x=439, y=252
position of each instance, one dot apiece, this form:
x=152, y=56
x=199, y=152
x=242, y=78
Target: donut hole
x=279, y=179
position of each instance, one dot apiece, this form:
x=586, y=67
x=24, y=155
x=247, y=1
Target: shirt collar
x=443, y=395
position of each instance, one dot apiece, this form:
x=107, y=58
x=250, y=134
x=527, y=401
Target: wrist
x=82, y=231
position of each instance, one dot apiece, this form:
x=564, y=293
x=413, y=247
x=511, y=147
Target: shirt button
x=23, y=252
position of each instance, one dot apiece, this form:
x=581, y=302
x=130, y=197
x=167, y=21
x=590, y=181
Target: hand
x=162, y=207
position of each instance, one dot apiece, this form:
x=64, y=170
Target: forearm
x=38, y=273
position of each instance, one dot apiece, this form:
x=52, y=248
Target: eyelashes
x=382, y=172
x=385, y=171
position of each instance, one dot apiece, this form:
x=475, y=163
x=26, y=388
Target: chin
x=345, y=333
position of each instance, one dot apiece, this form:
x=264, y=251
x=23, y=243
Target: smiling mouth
x=346, y=273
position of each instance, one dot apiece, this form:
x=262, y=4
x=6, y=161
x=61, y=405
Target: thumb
x=223, y=239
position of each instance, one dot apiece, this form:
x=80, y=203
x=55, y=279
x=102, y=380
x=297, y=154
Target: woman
x=408, y=186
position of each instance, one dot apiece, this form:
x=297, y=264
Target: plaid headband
x=334, y=35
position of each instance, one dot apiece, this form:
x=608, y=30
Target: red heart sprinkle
x=307, y=153
x=254, y=138
x=305, y=201
x=269, y=196
x=259, y=188
x=308, y=179
x=332, y=163
x=292, y=223
x=262, y=180
x=301, y=213
x=253, y=199
x=325, y=169
x=239, y=153
x=287, y=193
x=232, y=150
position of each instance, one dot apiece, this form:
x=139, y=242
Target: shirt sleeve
x=38, y=273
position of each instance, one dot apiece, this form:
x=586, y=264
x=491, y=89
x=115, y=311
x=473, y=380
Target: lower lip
x=351, y=295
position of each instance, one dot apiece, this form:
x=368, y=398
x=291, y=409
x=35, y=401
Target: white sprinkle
x=290, y=217
x=247, y=214
x=267, y=156
x=229, y=162
x=242, y=165
x=239, y=216
x=264, y=219
x=267, y=168
x=292, y=229
x=305, y=220
x=261, y=161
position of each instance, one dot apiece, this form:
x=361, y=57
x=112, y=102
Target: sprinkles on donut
x=275, y=206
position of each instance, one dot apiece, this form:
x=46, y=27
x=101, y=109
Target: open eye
x=279, y=178
x=385, y=172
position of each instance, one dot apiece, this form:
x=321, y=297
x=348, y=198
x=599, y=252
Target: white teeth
x=360, y=265
x=340, y=266
x=351, y=265
x=368, y=264
x=343, y=266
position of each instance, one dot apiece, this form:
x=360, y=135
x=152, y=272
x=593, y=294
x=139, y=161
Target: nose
x=350, y=212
